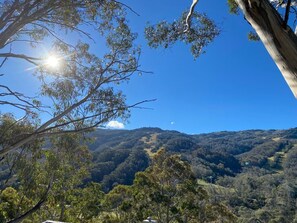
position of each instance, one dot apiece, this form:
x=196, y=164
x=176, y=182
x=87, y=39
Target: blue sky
x=235, y=85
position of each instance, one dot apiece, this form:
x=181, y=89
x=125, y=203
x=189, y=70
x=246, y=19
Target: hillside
x=253, y=172
x=213, y=155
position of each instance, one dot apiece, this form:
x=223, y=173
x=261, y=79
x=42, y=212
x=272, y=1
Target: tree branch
x=128, y=7
x=36, y=207
x=20, y=97
x=288, y=6
x=188, y=22
x=21, y=56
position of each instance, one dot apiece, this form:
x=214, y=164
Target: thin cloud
x=115, y=125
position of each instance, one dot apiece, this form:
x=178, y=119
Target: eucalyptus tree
x=79, y=86
x=166, y=191
x=81, y=91
x=44, y=185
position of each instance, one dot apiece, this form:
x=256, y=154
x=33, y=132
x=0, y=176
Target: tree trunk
x=278, y=38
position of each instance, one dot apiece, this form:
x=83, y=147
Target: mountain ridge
x=253, y=172
x=215, y=155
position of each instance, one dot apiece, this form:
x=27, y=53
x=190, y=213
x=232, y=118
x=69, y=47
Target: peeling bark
x=280, y=41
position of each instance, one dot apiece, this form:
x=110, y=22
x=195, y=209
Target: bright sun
x=52, y=61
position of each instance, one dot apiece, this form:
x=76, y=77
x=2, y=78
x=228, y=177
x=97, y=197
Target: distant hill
x=253, y=172
x=119, y=154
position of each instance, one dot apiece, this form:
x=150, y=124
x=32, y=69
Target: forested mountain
x=245, y=177
x=211, y=155
x=253, y=172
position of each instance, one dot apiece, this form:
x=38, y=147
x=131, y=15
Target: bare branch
x=128, y=7
x=21, y=56
x=3, y=62
x=43, y=130
x=72, y=121
x=188, y=22
x=288, y=6
x=22, y=40
x=20, y=97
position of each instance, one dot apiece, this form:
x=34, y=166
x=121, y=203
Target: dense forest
x=253, y=172
x=246, y=176
x=250, y=174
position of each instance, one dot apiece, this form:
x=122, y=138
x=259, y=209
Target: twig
x=128, y=7
x=5, y=59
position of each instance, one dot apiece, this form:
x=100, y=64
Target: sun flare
x=52, y=61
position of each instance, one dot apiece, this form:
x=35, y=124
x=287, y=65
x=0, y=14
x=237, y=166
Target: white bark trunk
x=280, y=41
